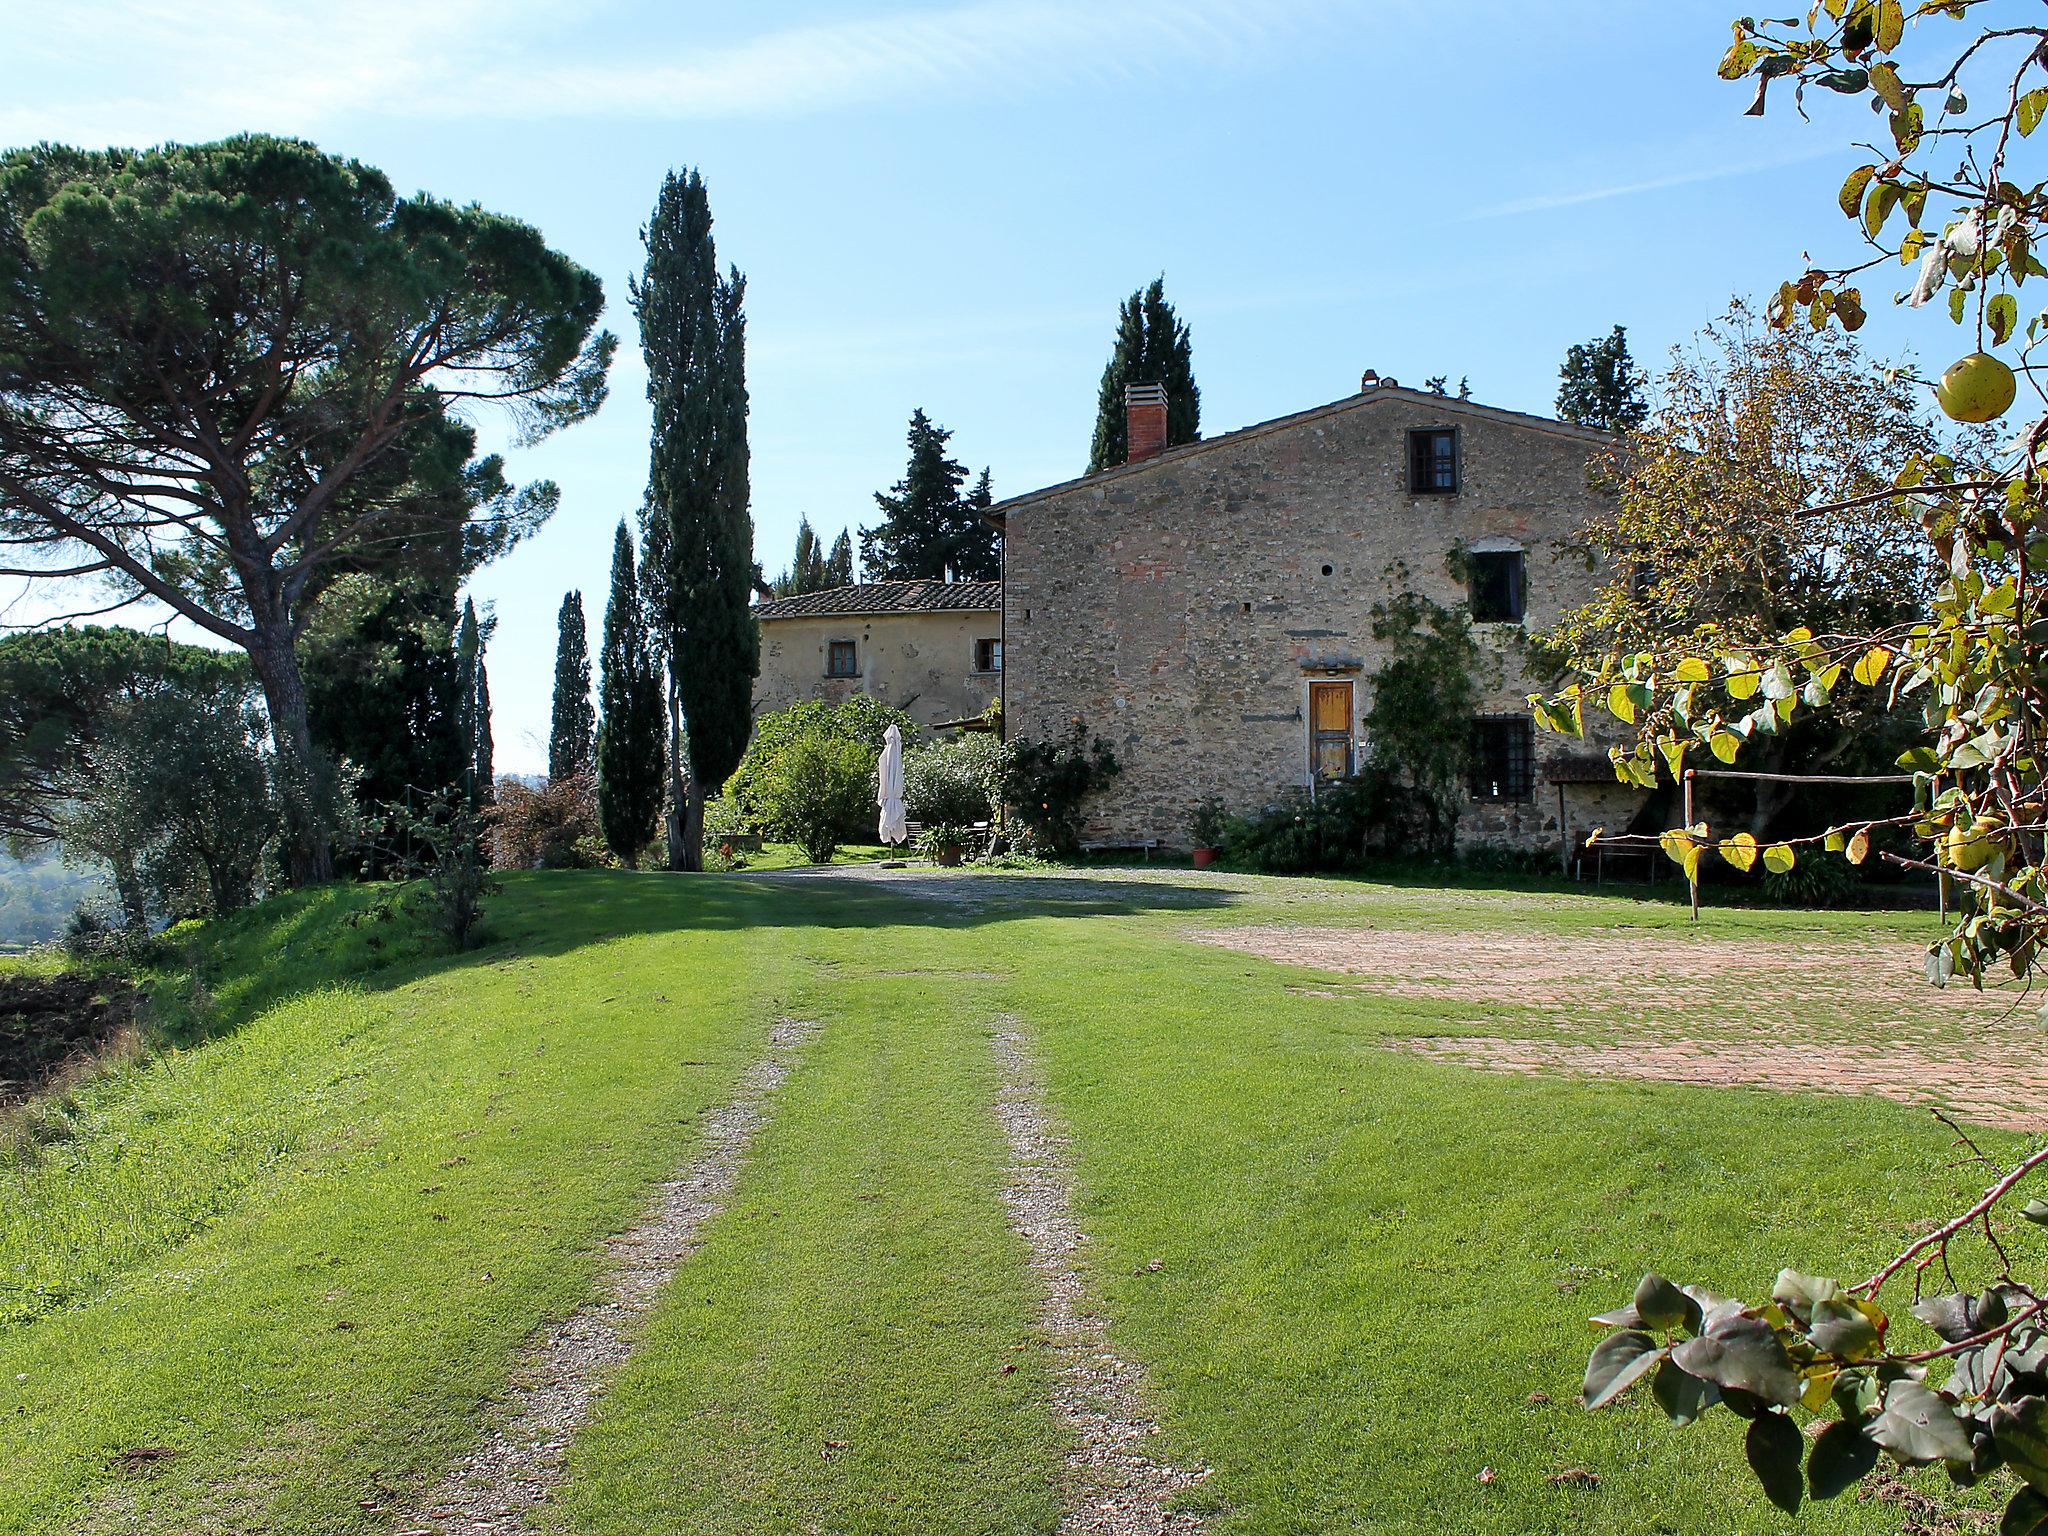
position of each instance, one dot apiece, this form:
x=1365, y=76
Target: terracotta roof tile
x=888, y=597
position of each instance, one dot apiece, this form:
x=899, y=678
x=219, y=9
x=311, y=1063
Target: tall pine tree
x=1601, y=385
x=1152, y=347
x=698, y=534
x=929, y=530
x=839, y=564
x=572, y=727
x=631, y=764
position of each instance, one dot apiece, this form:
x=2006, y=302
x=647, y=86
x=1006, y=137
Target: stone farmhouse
x=933, y=649
x=1209, y=608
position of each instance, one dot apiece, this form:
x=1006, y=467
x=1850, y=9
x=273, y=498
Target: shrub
x=815, y=787
x=1045, y=785
x=944, y=842
x=1343, y=827
x=1206, y=824
x=445, y=857
x=553, y=827
x=952, y=781
x=858, y=720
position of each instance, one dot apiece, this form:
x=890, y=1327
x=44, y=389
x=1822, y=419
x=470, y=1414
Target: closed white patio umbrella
x=889, y=788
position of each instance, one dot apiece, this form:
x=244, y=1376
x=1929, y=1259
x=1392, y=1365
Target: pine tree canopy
x=1152, y=347
x=699, y=536
x=631, y=759
x=572, y=728
x=930, y=531
x=1602, y=387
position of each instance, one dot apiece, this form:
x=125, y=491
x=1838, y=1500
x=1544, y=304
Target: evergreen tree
x=573, y=725
x=1152, y=347
x=929, y=530
x=472, y=708
x=807, y=570
x=1602, y=387
x=699, y=536
x=839, y=564
x=379, y=660
x=630, y=762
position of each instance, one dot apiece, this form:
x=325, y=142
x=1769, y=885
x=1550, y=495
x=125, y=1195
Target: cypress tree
x=839, y=564
x=630, y=760
x=699, y=536
x=469, y=658
x=1152, y=347
x=485, y=775
x=929, y=530
x=1601, y=385
x=573, y=722
x=807, y=570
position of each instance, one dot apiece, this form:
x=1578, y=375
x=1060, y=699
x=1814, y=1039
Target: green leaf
x=1740, y=850
x=2002, y=313
x=1840, y=1327
x=1724, y=744
x=1891, y=25
x=1918, y=1427
x=1779, y=859
x=1842, y=1458
x=2026, y=1515
x=1884, y=79
x=1691, y=670
x=1682, y=1395
x=2022, y=1438
x=1617, y=1362
x=2036, y=1211
x=1662, y=1306
x=2031, y=108
x=1775, y=1448
x=1744, y=1353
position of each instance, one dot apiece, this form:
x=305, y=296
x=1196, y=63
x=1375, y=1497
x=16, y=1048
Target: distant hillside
x=37, y=895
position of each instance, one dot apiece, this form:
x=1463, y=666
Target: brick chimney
x=1144, y=421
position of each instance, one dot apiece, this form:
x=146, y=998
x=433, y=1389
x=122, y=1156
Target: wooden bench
x=1145, y=845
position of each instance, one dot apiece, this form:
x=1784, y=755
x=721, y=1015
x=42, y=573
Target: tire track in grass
x=1116, y=1486
x=557, y=1381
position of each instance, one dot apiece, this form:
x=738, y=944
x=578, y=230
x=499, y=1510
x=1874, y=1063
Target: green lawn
x=301, y=1254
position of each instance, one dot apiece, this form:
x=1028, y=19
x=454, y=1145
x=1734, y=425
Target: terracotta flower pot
x=947, y=857
x=1204, y=857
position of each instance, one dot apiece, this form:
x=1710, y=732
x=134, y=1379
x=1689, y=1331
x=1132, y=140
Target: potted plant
x=1206, y=825
x=944, y=843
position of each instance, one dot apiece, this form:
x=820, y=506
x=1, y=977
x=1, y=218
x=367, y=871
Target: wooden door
x=1331, y=749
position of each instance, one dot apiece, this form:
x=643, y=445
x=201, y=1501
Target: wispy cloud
x=156, y=69
x=1550, y=201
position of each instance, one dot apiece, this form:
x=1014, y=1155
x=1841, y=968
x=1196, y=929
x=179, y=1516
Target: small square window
x=842, y=659
x=988, y=655
x=1503, y=757
x=1497, y=587
x=1433, y=462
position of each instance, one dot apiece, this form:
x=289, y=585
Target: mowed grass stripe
x=1367, y=1264
x=323, y=1346
x=852, y=1350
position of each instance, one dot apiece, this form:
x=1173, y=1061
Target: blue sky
x=940, y=204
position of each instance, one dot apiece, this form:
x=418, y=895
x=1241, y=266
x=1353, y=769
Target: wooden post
x=1692, y=875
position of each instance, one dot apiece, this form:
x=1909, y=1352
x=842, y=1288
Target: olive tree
x=1952, y=204
x=229, y=375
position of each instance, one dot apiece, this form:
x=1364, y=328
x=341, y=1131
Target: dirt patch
x=1853, y=1016
x=2006, y=1089
x=50, y=1024
x=1642, y=971
x=556, y=1384
x=1116, y=1485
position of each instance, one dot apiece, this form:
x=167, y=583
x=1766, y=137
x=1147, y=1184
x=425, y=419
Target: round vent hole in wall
x=1329, y=570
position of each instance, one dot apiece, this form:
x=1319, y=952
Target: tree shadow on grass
x=376, y=938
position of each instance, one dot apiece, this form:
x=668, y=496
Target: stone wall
x=921, y=663
x=1180, y=608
